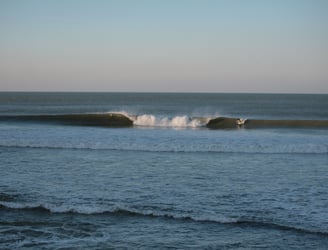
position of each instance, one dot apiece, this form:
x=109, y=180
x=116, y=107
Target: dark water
x=166, y=182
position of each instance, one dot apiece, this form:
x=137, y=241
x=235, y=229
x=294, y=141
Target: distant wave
x=123, y=119
x=112, y=119
x=125, y=211
x=91, y=119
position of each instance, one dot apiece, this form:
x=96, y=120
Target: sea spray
x=175, y=122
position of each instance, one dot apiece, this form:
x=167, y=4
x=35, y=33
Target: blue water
x=165, y=182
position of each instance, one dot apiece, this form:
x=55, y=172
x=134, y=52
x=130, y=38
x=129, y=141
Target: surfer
x=240, y=122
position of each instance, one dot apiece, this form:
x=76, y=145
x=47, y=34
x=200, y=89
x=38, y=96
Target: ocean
x=168, y=181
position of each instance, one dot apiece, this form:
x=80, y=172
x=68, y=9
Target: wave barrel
x=222, y=123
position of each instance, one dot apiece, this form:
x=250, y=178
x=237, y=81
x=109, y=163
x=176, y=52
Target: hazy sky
x=167, y=45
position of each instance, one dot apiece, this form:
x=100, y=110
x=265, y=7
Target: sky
x=278, y=46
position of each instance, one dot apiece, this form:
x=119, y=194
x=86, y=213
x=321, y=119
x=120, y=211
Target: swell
x=128, y=212
x=221, y=150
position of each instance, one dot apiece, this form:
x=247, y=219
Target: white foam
x=175, y=122
x=94, y=209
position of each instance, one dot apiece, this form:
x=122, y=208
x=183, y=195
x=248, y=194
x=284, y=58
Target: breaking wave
x=123, y=119
x=112, y=119
x=151, y=213
x=175, y=122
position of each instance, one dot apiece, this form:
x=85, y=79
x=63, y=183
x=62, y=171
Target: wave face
x=130, y=211
x=93, y=119
x=227, y=122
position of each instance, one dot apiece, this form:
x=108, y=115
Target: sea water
x=167, y=181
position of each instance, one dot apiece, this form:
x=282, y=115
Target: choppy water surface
x=166, y=182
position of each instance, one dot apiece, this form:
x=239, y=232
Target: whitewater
x=175, y=122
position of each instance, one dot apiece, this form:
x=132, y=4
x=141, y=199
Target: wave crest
x=153, y=213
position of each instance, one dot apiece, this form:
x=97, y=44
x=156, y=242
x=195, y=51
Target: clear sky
x=164, y=45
